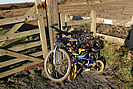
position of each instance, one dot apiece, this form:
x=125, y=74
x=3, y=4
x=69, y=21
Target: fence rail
x=69, y=20
x=18, y=19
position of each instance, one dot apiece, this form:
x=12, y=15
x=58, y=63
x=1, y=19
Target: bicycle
x=86, y=60
x=57, y=64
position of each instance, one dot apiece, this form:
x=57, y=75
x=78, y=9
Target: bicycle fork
x=54, y=57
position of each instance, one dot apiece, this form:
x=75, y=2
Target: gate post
x=41, y=24
x=93, y=23
x=53, y=17
x=62, y=20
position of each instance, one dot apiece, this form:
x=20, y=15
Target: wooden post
x=49, y=18
x=62, y=20
x=55, y=10
x=93, y=23
x=53, y=17
x=41, y=27
x=132, y=20
x=67, y=18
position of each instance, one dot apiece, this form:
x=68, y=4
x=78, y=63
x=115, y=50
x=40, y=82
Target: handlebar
x=53, y=25
x=64, y=32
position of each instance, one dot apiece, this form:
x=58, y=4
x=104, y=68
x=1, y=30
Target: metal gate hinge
x=39, y=6
x=42, y=6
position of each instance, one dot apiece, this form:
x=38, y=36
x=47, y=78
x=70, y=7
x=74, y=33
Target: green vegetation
x=119, y=58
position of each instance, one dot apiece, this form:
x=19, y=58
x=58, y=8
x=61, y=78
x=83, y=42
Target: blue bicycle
x=57, y=64
x=87, y=60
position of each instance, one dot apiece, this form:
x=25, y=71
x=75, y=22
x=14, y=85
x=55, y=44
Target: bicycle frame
x=76, y=58
x=58, y=40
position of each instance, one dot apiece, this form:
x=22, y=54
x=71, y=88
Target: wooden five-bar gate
x=12, y=59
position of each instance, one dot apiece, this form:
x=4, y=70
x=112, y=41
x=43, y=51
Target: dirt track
x=35, y=79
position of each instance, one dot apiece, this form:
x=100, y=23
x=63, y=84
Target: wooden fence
x=67, y=20
x=12, y=58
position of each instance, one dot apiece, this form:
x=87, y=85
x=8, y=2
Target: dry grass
x=117, y=57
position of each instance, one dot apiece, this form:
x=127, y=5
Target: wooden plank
x=49, y=15
x=10, y=62
x=2, y=54
x=18, y=19
x=126, y=23
x=93, y=22
x=62, y=20
x=78, y=22
x=36, y=54
x=25, y=46
x=17, y=26
x=74, y=9
x=1, y=43
x=14, y=28
x=31, y=11
x=42, y=28
x=19, y=35
x=74, y=12
x=18, y=69
x=112, y=39
x=55, y=16
x=18, y=55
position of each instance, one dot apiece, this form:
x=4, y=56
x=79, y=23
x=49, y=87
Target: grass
x=118, y=58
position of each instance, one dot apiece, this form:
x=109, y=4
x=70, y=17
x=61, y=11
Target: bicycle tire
x=96, y=47
x=99, y=62
x=73, y=72
x=53, y=70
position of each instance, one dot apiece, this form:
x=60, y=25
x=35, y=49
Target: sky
x=15, y=1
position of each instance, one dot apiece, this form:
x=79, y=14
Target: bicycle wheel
x=57, y=65
x=100, y=66
x=73, y=72
x=96, y=47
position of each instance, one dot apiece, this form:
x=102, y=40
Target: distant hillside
x=16, y=6
x=25, y=5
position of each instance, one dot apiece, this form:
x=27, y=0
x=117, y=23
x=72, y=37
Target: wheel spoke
x=58, y=69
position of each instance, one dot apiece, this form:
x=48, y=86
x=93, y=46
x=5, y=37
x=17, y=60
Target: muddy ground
x=36, y=78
